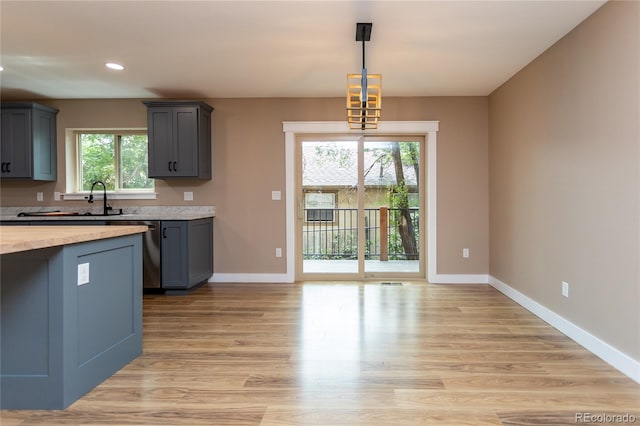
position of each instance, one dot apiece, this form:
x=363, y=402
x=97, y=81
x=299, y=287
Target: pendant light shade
x=364, y=91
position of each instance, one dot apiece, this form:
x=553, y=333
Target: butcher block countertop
x=23, y=238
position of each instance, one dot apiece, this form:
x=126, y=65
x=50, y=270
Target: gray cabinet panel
x=179, y=139
x=174, y=253
x=187, y=252
x=59, y=340
x=200, y=250
x=160, y=133
x=28, y=142
x=186, y=141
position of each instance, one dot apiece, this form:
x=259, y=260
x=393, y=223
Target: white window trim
x=71, y=156
x=97, y=194
x=427, y=128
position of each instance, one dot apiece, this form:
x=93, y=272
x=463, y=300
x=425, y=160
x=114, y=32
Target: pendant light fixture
x=364, y=91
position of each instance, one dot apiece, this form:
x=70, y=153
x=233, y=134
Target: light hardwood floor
x=348, y=354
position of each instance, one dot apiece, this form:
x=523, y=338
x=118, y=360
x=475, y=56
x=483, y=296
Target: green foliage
x=98, y=157
x=340, y=153
x=134, y=162
x=98, y=160
x=380, y=156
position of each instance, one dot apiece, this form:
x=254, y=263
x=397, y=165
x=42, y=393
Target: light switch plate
x=276, y=195
x=39, y=196
x=83, y=274
x=188, y=196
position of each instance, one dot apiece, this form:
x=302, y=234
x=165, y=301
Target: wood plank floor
x=349, y=354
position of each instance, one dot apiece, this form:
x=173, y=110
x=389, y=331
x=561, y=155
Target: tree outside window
x=118, y=159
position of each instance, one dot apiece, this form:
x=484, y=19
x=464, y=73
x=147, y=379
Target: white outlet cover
x=83, y=274
x=39, y=196
x=465, y=252
x=278, y=252
x=276, y=195
x=188, y=196
x=565, y=289
x=56, y=196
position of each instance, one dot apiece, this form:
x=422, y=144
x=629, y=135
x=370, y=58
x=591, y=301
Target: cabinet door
x=200, y=250
x=174, y=254
x=161, y=148
x=16, y=143
x=44, y=145
x=186, y=141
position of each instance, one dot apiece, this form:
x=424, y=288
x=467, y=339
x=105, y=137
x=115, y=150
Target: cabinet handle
x=164, y=232
x=3, y=168
x=169, y=165
x=175, y=166
x=8, y=167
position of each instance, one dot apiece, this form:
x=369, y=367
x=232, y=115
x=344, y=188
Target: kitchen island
x=71, y=310
x=177, y=249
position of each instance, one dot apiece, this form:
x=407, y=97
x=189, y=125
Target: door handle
x=9, y=167
x=175, y=166
x=164, y=232
x=169, y=165
x=4, y=170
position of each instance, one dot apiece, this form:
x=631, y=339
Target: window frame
x=73, y=154
x=332, y=210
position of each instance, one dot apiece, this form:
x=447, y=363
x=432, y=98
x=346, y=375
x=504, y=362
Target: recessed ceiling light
x=114, y=66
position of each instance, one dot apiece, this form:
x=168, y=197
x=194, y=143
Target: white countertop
x=10, y=214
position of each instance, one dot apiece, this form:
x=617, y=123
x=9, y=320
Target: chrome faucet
x=105, y=208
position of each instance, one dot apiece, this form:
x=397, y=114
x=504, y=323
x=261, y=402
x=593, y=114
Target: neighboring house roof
x=339, y=168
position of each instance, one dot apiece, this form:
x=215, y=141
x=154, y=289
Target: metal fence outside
x=333, y=234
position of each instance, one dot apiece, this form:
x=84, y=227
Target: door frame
x=428, y=129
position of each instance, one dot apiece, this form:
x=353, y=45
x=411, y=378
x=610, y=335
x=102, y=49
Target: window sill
x=81, y=196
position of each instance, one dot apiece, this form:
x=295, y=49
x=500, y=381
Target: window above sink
x=116, y=156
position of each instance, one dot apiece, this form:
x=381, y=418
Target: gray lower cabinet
x=187, y=252
x=28, y=141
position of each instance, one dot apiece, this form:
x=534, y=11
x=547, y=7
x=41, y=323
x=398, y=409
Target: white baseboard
x=617, y=359
x=459, y=279
x=250, y=278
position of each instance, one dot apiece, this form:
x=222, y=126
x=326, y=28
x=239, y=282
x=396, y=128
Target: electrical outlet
x=56, y=196
x=465, y=252
x=83, y=274
x=278, y=252
x=565, y=289
x=39, y=196
x=188, y=196
x=276, y=195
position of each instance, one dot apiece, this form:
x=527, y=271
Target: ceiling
x=296, y=48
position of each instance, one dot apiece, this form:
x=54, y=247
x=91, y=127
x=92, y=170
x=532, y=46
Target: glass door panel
x=328, y=207
x=359, y=208
x=391, y=207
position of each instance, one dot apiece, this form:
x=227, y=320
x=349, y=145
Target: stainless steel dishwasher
x=150, y=251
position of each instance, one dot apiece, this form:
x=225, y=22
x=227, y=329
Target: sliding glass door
x=359, y=208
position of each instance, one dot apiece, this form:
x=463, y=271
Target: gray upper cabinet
x=179, y=139
x=28, y=141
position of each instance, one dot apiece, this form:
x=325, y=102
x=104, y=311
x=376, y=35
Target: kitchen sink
x=49, y=213
x=118, y=213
